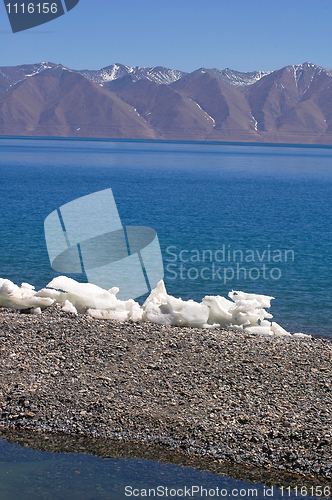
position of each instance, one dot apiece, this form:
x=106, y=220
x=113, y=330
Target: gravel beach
x=250, y=400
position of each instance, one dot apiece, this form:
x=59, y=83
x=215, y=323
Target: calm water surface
x=242, y=217
x=26, y=474
x=227, y=209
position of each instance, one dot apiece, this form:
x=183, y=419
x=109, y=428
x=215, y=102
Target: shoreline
x=120, y=449
x=220, y=395
x=319, y=145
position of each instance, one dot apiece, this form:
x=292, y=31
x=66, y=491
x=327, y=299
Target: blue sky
x=244, y=35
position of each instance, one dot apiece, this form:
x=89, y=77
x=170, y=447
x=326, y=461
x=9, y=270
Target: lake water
x=244, y=217
x=252, y=206
x=29, y=474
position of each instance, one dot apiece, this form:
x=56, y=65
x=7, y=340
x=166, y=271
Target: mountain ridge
x=291, y=104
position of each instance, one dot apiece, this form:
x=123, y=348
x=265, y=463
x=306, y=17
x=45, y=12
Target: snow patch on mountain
x=16, y=74
x=208, y=117
x=236, y=78
x=158, y=74
x=39, y=68
x=305, y=73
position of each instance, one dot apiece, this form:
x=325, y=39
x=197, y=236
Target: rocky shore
x=250, y=400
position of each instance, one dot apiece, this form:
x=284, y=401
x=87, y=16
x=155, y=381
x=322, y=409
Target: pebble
x=218, y=394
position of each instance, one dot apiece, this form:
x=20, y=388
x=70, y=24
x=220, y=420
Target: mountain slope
x=11, y=75
x=292, y=104
x=170, y=114
x=225, y=104
x=59, y=102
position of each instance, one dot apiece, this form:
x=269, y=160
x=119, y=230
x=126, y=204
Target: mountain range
x=289, y=105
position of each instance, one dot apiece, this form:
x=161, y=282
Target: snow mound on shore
x=23, y=297
x=245, y=311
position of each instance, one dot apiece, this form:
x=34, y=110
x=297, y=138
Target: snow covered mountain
x=291, y=104
x=156, y=74
x=304, y=75
x=235, y=78
x=11, y=75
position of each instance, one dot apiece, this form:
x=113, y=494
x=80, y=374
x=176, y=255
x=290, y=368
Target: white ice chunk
x=248, y=311
x=245, y=312
x=67, y=306
x=36, y=310
x=301, y=335
x=263, y=300
x=84, y=295
x=22, y=297
x=7, y=288
x=188, y=313
x=136, y=312
x=155, y=308
x=278, y=330
x=164, y=309
x=27, y=286
x=104, y=314
x=246, y=317
x=219, y=310
x=18, y=302
x=265, y=330
x=124, y=311
x=265, y=322
x=87, y=297
x=59, y=297
x=237, y=327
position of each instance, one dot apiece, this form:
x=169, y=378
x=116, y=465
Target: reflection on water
x=46, y=467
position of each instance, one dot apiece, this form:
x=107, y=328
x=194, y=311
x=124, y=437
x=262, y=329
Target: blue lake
x=242, y=217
